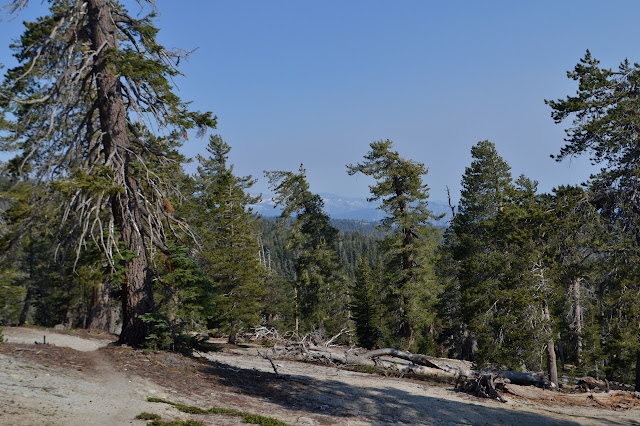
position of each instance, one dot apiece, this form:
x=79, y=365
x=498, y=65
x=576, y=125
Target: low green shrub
x=148, y=416
x=166, y=336
x=176, y=423
x=246, y=417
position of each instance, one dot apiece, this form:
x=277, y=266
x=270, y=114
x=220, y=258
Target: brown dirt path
x=77, y=386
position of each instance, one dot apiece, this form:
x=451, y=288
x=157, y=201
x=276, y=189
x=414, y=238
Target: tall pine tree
x=365, y=307
x=228, y=232
x=90, y=77
x=320, y=289
x=604, y=117
x=487, y=186
x=408, y=245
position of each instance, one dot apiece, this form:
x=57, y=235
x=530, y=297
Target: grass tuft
x=176, y=423
x=256, y=419
x=148, y=416
x=246, y=417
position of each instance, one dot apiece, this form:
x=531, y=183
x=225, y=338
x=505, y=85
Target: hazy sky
x=315, y=82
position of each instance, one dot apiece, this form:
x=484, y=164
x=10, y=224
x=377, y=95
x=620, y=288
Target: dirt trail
x=110, y=386
x=39, y=336
x=42, y=394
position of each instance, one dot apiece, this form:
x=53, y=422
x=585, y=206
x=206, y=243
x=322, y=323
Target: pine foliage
x=408, y=245
x=320, y=288
x=228, y=232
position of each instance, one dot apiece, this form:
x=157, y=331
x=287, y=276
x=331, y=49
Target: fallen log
x=481, y=383
x=529, y=392
x=590, y=384
x=416, y=359
x=351, y=358
x=487, y=382
x=523, y=379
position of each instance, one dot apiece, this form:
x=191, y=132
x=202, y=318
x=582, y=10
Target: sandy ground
x=96, y=384
x=32, y=394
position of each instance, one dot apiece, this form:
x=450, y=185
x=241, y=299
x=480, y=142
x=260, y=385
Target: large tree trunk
x=468, y=344
x=99, y=315
x=26, y=306
x=552, y=365
x=637, y=387
x=577, y=318
x=405, y=328
x=137, y=297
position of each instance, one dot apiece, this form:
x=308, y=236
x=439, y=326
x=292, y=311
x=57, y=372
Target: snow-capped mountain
x=339, y=207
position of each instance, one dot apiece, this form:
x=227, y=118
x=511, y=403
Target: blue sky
x=315, y=82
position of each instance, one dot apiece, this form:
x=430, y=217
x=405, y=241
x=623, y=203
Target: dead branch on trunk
x=344, y=331
x=268, y=357
x=482, y=385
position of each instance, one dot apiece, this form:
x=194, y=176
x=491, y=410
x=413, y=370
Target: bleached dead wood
x=351, y=357
x=529, y=392
x=482, y=383
x=417, y=359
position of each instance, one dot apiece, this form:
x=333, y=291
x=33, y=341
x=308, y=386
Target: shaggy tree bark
x=91, y=85
x=137, y=298
x=99, y=315
x=552, y=364
x=26, y=306
x=577, y=318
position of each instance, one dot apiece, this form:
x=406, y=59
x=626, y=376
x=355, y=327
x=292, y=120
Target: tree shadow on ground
x=381, y=404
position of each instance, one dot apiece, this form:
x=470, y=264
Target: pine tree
x=90, y=78
x=575, y=239
x=228, y=231
x=365, y=307
x=486, y=188
x=320, y=293
x=604, y=115
x=184, y=298
x=408, y=246
x=496, y=270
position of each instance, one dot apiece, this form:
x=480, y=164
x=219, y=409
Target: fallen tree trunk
x=350, y=358
x=529, y=392
x=481, y=383
x=417, y=359
x=419, y=364
x=524, y=379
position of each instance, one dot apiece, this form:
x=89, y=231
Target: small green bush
x=176, y=423
x=256, y=419
x=166, y=336
x=148, y=416
x=246, y=417
x=2, y=338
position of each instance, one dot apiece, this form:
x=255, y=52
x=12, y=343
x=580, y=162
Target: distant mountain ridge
x=340, y=207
